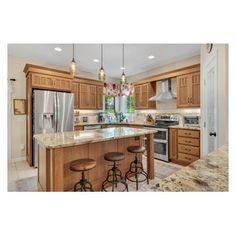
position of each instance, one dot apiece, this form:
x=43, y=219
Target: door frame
x=212, y=61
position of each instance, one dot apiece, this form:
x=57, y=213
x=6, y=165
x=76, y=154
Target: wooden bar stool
x=83, y=165
x=114, y=175
x=136, y=166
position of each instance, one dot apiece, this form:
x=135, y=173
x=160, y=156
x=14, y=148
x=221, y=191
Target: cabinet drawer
x=188, y=149
x=189, y=133
x=187, y=158
x=78, y=127
x=189, y=141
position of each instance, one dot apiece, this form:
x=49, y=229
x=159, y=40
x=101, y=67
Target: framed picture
x=19, y=106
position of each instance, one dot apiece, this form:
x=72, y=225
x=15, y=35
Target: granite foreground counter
x=57, y=150
x=210, y=173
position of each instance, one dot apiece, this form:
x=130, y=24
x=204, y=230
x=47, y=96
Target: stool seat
x=136, y=149
x=82, y=165
x=114, y=156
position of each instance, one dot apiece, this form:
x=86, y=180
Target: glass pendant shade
x=123, y=79
x=101, y=75
x=73, y=66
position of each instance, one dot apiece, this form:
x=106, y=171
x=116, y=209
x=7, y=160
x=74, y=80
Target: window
x=123, y=104
x=109, y=104
x=130, y=104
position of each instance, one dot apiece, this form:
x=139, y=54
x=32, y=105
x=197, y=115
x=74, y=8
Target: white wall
x=222, y=88
x=17, y=89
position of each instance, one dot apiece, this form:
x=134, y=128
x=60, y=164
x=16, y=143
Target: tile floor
x=20, y=171
x=23, y=178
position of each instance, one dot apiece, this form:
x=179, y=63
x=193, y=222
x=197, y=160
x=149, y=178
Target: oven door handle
x=162, y=129
x=160, y=141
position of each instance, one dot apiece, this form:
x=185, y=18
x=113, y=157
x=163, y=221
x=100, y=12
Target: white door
x=210, y=111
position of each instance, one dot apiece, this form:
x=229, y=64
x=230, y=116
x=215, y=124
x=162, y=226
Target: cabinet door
x=137, y=94
x=41, y=81
x=195, y=90
x=144, y=96
x=92, y=96
x=75, y=90
x=100, y=97
x=173, y=144
x=183, y=98
x=62, y=84
x=83, y=96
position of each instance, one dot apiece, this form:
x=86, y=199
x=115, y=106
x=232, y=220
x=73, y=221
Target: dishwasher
x=92, y=127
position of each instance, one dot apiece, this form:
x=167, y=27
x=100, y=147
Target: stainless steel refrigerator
x=52, y=112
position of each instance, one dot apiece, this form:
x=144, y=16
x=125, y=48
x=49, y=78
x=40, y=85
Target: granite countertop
x=112, y=123
x=210, y=173
x=73, y=138
x=185, y=127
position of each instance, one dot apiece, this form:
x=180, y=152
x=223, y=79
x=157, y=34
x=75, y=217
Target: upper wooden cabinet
x=88, y=96
x=100, y=97
x=75, y=90
x=188, y=90
x=142, y=94
x=50, y=82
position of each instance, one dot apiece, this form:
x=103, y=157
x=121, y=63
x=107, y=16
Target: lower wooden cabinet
x=79, y=127
x=173, y=144
x=184, y=145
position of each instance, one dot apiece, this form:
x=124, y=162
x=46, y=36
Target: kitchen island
x=57, y=150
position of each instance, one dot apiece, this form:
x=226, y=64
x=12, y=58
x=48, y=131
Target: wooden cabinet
x=87, y=94
x=51, y=82
x=100, y=97
x=184, y=145
x=79, y=127
x=173, y=144
x=142, y=94
x=75, y=91
x=188, y=90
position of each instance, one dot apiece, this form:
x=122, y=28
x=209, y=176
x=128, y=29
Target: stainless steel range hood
x=164, y=91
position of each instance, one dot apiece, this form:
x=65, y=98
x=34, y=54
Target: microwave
x=191, y=121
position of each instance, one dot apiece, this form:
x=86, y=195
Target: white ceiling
x=136, y=56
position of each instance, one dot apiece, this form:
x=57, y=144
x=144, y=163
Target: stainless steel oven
x=161, y=135
x=160, y=143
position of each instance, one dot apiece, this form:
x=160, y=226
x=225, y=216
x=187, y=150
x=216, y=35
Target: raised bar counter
x=57, y=150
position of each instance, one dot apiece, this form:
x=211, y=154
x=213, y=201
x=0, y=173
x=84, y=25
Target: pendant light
x=101, y=74
x=123, y=78
x=73, y=66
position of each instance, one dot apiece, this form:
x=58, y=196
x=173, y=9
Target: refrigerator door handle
x=55, y=113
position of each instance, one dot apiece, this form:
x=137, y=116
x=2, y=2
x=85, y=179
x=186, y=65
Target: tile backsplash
x=138, y=116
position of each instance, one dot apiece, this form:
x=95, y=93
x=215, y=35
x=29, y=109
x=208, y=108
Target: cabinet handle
x=188, y=100
x=191, y=100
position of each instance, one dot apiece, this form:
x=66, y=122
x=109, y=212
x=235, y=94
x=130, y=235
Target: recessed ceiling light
x=122, y=68
x=95, y=60
x=58, y=49
x=151, y=57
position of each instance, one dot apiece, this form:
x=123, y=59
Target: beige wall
x=221, y=50
x=17, y=89
x=162, y=69
x=169, y=106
